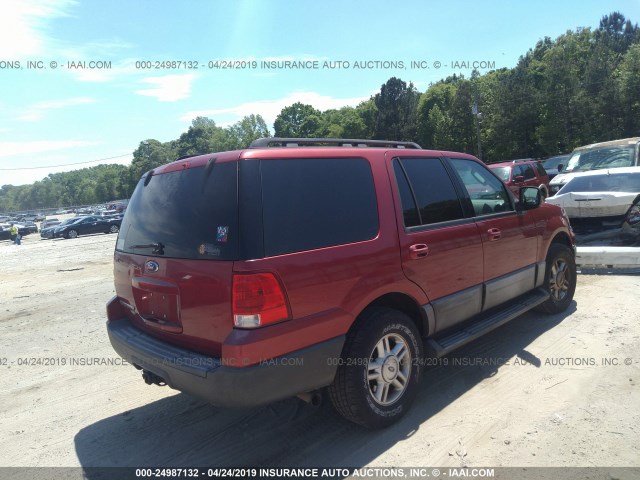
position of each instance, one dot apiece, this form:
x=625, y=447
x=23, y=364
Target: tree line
x=582, y=87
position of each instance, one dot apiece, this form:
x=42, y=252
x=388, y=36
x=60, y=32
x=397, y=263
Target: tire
x=560, y=279
x=379, y=372
x=113, y=229
x=72, y=234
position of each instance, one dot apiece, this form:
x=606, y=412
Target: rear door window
x=190, y=213
x=316, y=203
x=427, y=192
x=516, y=171
x=528, y=172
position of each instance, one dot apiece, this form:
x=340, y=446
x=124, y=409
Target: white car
x=603, y=206
x=598, y=156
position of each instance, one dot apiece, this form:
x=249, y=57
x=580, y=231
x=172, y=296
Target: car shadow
x=181, y=431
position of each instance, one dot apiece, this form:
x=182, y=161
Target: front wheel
x=379, y=371
x=72, y=234
x=113, y=229
x=560, y=279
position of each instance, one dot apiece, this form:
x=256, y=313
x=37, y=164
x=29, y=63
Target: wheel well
x=407, y=305
x=563, y=239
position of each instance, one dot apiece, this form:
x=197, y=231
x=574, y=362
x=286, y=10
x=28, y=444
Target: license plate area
x=158, y=304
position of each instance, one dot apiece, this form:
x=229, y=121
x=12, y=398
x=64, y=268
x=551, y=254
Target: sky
x=83, y=82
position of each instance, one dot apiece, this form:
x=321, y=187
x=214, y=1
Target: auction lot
x=543, y=390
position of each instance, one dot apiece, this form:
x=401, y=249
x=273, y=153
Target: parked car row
x=83, y=225
x=22, y=218
x=115, y=207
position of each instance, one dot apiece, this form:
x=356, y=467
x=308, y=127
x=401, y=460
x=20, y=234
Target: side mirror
x=529, y=198
x=519, y=179
x=560, y=167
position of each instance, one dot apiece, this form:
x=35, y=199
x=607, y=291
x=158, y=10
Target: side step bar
x=440, y=345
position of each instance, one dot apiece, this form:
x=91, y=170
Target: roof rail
x=188, y=156
x=326, y=142
x=522, y=160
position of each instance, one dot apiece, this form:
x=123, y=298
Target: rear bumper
x=226, y=385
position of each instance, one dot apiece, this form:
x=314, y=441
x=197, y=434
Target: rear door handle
x=494, y=234
x=419, y=250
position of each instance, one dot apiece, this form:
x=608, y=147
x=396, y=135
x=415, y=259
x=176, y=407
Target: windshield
x=597, y=158
x=502, y=172
x=619, y=182
x=190, y=213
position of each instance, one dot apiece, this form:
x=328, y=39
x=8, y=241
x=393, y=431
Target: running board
x=442, y=344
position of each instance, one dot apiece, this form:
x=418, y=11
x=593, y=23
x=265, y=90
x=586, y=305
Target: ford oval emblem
x=152, y=266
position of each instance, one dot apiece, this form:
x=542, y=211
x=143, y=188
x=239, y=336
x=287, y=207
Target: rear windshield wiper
x=158, y=248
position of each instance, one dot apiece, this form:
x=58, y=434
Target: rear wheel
x=72, y=234
x=379, y=372
x=560, y=279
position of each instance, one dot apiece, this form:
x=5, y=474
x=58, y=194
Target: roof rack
x=329, y=142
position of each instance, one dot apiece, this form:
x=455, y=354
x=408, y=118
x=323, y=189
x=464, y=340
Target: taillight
x=258, y=300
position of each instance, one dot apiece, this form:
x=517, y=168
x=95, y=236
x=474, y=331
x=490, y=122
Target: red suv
x=250, y=276
x=523, y=173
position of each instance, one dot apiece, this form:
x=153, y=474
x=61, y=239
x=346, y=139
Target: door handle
x=494, y=234
x=419, y=250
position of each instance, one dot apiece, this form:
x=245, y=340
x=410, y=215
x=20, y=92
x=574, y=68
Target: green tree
x=298, y=121
x=628, y=90
x=342, y=123
x=397, y=104
x=150, y=154
x=367, y=112
x=437, y=95
x=247, y=130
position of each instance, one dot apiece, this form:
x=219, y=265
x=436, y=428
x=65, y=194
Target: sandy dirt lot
x=541, y=391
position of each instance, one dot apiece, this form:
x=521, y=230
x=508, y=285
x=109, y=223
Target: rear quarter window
x=316, y=203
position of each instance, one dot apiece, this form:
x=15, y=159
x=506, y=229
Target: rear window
x=190, y=213
x=315, y=203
